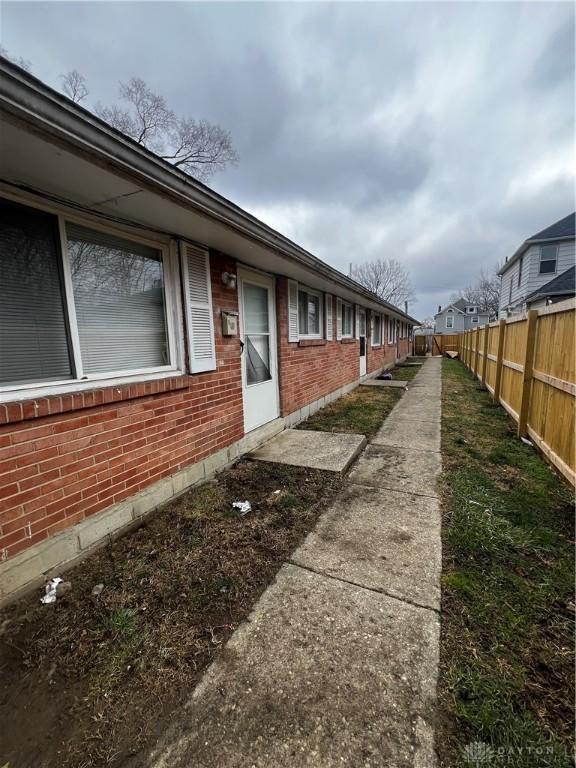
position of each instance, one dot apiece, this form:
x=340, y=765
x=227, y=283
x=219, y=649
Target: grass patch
x=405, y=372
x=507, y=674
x=362, y=412
x=94, y=680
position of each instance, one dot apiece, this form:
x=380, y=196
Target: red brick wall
x=65, y=458
x=386, y=354
x=310, y=370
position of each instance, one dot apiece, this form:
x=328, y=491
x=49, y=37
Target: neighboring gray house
x=539, y=260
x=459, y=316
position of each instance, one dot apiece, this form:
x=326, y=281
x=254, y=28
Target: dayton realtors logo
x=478, y=754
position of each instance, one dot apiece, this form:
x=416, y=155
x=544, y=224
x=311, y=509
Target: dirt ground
x=94, y=679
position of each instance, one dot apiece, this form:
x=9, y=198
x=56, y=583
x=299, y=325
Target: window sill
x=348, y=340
x=311, y=342
x=25, y=409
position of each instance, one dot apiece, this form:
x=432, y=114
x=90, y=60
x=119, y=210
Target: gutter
x=49, y=112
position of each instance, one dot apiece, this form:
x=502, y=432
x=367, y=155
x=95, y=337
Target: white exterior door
x=258, y=340
x=362, y=335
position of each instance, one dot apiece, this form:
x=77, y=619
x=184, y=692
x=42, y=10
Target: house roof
x=563, y=229
x=560, y=229
x=562, y=285
x=26, y=99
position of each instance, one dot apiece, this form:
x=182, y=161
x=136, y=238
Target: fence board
x=544, y=397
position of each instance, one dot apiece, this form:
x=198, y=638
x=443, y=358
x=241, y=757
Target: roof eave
x=526, y=244
x=29, y=99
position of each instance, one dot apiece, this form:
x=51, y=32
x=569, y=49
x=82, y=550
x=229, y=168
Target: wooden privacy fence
x=528, y=365
x=445, y=342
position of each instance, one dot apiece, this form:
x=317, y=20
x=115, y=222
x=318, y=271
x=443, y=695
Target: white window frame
x=555, y=260
x=470, y=310
x=451, y=323
x=475, y=320
x=392, y=330
x=319, y=296
x=351, y=308
x=82, y=381
x=379, y=342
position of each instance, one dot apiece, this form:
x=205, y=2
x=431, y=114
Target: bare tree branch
x=198, y=147
x=18, y=60
x=74, y=85
x=485, y=294
x=387, y=278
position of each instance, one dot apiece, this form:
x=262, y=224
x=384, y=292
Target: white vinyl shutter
x=198, y=301
x=292, y=310
x=338, y=319
x=328, y=304
x=357, y=320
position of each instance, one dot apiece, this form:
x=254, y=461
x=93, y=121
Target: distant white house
x=459, y=316
x=535, y=274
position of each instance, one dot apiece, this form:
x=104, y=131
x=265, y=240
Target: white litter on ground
x=51, y=587
x=242, y=506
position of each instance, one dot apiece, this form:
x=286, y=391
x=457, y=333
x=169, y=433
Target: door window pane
x=33, y=324
x=257, y=359
x=255, y=308
x=119, y=299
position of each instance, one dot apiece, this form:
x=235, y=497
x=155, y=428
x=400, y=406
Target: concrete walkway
x=337, y=663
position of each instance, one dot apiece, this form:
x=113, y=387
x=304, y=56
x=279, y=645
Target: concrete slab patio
x=394, y=383
x=337, y=664
x=331, y=451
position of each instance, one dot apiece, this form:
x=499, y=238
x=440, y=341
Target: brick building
x=150, y=331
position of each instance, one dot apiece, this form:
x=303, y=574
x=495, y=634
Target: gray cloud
x=440, y=134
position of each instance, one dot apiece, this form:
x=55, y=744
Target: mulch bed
x=93, y=680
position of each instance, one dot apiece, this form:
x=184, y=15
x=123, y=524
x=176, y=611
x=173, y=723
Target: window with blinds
x=33, y=324
x=118, y=290
x=89, y=304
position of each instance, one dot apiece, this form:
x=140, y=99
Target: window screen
x=119, y=299
x=33, y=323
x=376, y=330
x=346, y=320
x=308, y=314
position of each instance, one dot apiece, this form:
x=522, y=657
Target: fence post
x=499, y=358
x=527, y=374
x=485, y=354
x=476, y=351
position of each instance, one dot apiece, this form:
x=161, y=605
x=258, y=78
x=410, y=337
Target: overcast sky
x=441, y=134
